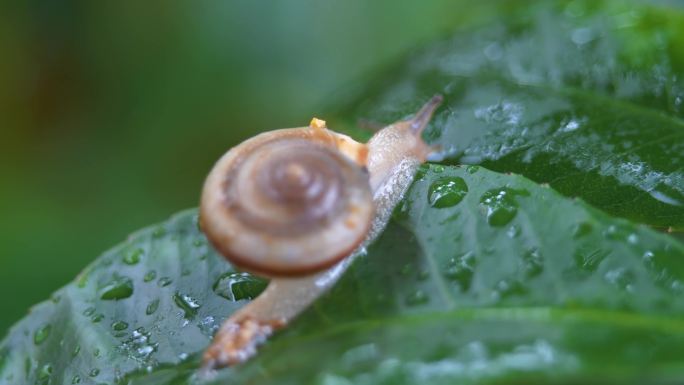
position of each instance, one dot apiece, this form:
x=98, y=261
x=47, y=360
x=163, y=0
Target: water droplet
x=500, y=205
x=183, y=356
x=118, y=288
x=186, y=303
x=152, y=307
x=76, y=379
x=418, y=297
x=89, y=311
x=96, y=352
x=132, y=257
x=97, y=318
x=533, y=263
x=447, y=192
x=589, y=260
x=622, y=278
x=42, y=334
x=94, y=372
x=238, y=286
x=119, y=326
x=76, y=350
x=139, y=347
x=581, y=229
x=472, y=169
x=461, y=269
x=45, y=372
x=150, y=275
x=438, y=168
x=164, y=281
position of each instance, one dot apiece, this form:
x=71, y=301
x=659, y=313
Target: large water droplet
x=186, y=303
x=44, y=373
x=238, y=286
x=42, y=334
x=447, y=191
x=533, y=263
x=150, y=275
x=461, y=270
x=152, y=307
x=500, y=205
x=119, y=326
x=118, y=288
x=132, y=257
x=417, y=297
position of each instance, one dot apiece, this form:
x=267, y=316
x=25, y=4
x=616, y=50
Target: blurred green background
x=112, y=113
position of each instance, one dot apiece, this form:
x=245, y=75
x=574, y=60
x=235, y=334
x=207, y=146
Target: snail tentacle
x=391, y=158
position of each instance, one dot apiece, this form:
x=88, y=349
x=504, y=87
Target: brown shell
x=286, y=203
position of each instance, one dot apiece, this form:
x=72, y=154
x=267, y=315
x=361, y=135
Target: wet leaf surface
x=482, y=277
x=586, y=96
x=554, y=291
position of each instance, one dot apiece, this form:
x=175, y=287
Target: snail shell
x=287, y=202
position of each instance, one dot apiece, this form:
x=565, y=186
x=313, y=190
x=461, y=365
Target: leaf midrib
x=632, y=320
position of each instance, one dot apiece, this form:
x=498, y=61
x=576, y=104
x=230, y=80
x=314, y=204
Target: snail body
x=296, y=206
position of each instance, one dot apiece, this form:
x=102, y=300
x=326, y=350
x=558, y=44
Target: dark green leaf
x=553, y=289
x=587, y=96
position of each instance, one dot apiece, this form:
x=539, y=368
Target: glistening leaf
x=587, y=96
x=510, y=282
x=154, y=300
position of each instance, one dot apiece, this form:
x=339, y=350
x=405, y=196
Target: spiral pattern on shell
x=285, y=203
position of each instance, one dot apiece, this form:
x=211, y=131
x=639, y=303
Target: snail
x=296, y=206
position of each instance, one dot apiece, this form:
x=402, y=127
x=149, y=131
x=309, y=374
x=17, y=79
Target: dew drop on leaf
x=76, y=379
x=150, y=275
x=500, y=205
x=186, y=303
x=119, y=326
x=152, y=307
x=447, y=192
x=94, y=372
x=164, y=281
x=118, y=288
x=461, y=270
x=533, y=263
x=42, y=334
x=132, y=257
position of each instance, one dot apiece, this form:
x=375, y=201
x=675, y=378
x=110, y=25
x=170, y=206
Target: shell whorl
x=285, y=203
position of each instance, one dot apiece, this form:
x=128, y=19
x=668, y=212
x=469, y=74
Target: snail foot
x=237, y=341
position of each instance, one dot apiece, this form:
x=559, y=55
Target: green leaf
x=587, y=96
x=154, y=300
x=552, y=289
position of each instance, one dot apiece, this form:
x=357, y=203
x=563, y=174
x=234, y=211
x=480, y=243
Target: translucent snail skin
x=296, y=206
